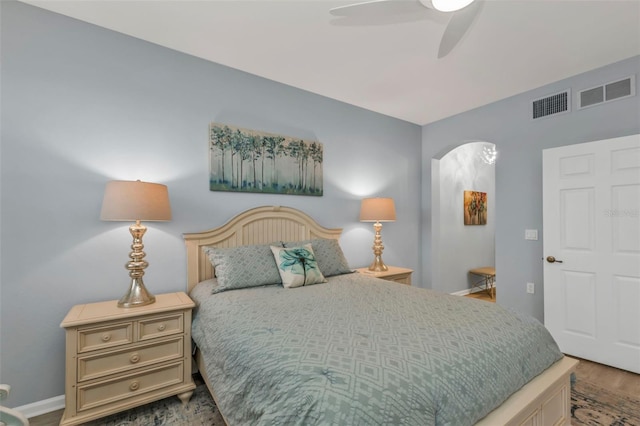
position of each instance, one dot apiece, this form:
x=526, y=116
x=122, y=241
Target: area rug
x=594, y=406
x=590, y=405
x=200, y=411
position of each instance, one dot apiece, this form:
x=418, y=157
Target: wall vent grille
x=550, y=105
x=607, y=92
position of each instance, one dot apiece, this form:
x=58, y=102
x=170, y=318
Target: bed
x=357, y=350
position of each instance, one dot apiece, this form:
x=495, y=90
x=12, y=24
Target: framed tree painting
x=475, y=208
x=243, y=160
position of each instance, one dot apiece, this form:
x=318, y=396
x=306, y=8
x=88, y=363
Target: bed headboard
x=261, y=225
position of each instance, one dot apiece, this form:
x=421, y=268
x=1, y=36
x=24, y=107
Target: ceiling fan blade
x=378, y=8
x=458, y=26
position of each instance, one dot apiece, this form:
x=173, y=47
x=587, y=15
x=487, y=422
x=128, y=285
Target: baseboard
x=39, y=408
x=467, y=291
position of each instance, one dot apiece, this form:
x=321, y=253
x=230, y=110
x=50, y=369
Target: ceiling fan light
x=449, y=5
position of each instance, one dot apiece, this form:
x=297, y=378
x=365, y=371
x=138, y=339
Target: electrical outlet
x=531, y=288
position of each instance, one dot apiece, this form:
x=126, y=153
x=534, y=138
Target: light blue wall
x=83, y=105
x=520, y=141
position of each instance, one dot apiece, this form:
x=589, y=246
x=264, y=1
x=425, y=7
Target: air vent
x=550, y=105
x=591, y=96
x=607, y=92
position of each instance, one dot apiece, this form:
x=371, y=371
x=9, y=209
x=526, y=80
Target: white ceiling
x=384, y=63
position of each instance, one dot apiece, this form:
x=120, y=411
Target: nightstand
x=395, y=274
x=120, y=358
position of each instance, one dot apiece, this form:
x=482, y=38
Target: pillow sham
x=242, y=267
x=203, y=288
x=297, y=266
x=331, y=259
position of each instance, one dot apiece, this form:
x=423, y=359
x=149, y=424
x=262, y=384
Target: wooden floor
x=607, y=377
x=482, y=295
x=49, y=419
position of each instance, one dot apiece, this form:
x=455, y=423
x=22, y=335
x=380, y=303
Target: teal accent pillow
x=297, y=266
x=242, y=267
x=329, y=255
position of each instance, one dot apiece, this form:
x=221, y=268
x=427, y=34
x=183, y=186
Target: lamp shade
x=135, y=200
x=377, y=210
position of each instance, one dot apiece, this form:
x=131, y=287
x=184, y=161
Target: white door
x=591, y=213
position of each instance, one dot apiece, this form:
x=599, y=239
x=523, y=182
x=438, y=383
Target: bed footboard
x=545, y=400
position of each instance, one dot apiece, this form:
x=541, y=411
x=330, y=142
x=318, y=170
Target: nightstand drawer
x=402, y=279
x=105, y=393
x=151, y=328
x=90, y=339
x=100, y=365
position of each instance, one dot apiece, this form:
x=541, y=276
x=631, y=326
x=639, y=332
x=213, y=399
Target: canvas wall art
x=243, y=160
x=475, y=208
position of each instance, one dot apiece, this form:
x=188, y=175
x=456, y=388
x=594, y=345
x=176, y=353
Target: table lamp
x=377, y=210
x=136, y=201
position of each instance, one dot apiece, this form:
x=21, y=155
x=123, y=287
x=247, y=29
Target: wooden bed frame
x=544, y=401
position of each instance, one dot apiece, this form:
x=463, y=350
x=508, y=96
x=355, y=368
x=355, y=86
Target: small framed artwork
x=475, y=208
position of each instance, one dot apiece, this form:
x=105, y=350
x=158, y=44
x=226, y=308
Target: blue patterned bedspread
x=363, y=351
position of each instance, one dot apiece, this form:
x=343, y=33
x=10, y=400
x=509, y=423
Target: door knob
x=552, y=259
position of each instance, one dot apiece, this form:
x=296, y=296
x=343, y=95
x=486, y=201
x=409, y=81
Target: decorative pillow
x=297, y=266
x=329, y=255
x=242, y=267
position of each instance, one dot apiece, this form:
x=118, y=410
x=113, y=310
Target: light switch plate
x=531, y=234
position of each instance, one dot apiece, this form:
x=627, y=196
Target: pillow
x=329, y=255
x=203, y=290
x=297, y=266
x=242, y=267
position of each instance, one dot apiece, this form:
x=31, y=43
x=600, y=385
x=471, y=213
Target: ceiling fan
x=462, y=14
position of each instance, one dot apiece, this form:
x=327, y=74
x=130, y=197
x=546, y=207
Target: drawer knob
x=106, y=337
x=134, y=358
x=161, y=327
x=134, y=386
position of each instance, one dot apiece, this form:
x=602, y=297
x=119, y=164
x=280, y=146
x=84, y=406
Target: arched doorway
x=456, y=247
